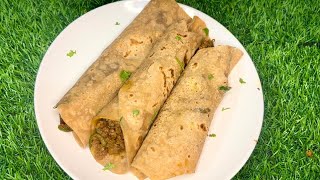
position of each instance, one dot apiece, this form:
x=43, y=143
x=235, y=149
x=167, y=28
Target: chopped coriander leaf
x=135, y=112
x=64, y=128
x=181, y=63
x=224, y=88
x=212, y=135
x=125, y=75
x=154, y=115
x=71, y=53
x=242, y=81
x=206, y=31
x=117, y=23
x=108, y=166
x=210, y=76
x=178, y=37
x=223, y=109
x=121, y=119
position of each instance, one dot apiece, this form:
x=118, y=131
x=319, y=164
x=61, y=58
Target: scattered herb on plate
x=117, y=23
x=223, y=109
x=212, y=135
x=71, y=53
x=242, y=81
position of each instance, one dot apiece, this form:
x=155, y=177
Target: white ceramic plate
x=237, y=129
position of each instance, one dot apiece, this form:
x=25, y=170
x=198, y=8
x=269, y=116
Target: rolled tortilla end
x=106, y=142
x=103, y=79
x=140, y=99
x=175, y=141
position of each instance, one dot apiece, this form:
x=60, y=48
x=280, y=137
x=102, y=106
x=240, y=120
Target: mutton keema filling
x=107, y=139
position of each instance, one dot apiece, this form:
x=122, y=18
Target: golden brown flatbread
x=140, y=99
x=100, y=83
x=175, y=141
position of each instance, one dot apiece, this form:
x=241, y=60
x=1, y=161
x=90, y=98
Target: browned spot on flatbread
x=135, y=42
x=203, y=127
x=194, y=65
x=127, y=54
x=182, y=35
x=171, y=72
x=152, y=148
x=152, y=54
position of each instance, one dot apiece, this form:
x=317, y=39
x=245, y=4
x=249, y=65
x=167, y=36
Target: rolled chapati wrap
x=128, y=118
x=102, y=80
x=175, y=141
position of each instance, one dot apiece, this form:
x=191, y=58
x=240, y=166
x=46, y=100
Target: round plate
x=237, y=129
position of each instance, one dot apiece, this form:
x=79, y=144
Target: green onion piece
x=181, y=63
x=210, y=76
x=108, y=166
x=206, y=31
x=242, y=81
x=135, y=112
x=154, y=115
x=223, y=109
x=224, y=88
x=125, y=75
x=178, y=37
x=212, y=135
x=71, y=53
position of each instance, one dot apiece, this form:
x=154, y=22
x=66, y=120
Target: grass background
x=282, y=37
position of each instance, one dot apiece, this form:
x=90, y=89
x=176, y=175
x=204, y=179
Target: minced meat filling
x=107, y=139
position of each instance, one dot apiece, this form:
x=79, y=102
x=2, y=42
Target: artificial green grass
x=282, y=37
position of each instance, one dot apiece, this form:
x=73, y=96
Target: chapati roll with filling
x=141, y=97
x=175, y=141
x=102, y=80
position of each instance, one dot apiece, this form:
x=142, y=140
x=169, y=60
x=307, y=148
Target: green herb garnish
x=154, y=115
x=178, y=37
x=71, y=53
x=210, y=76
x=212, y=135
x=108, y=166
x=125, y=75
x=242, y=81
x=117, y=23
x=181, y=63
x=223, y=109
x=121, y=119
x=64, y=128
x=224, y=88
x=135, y=112
x=206, y=31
